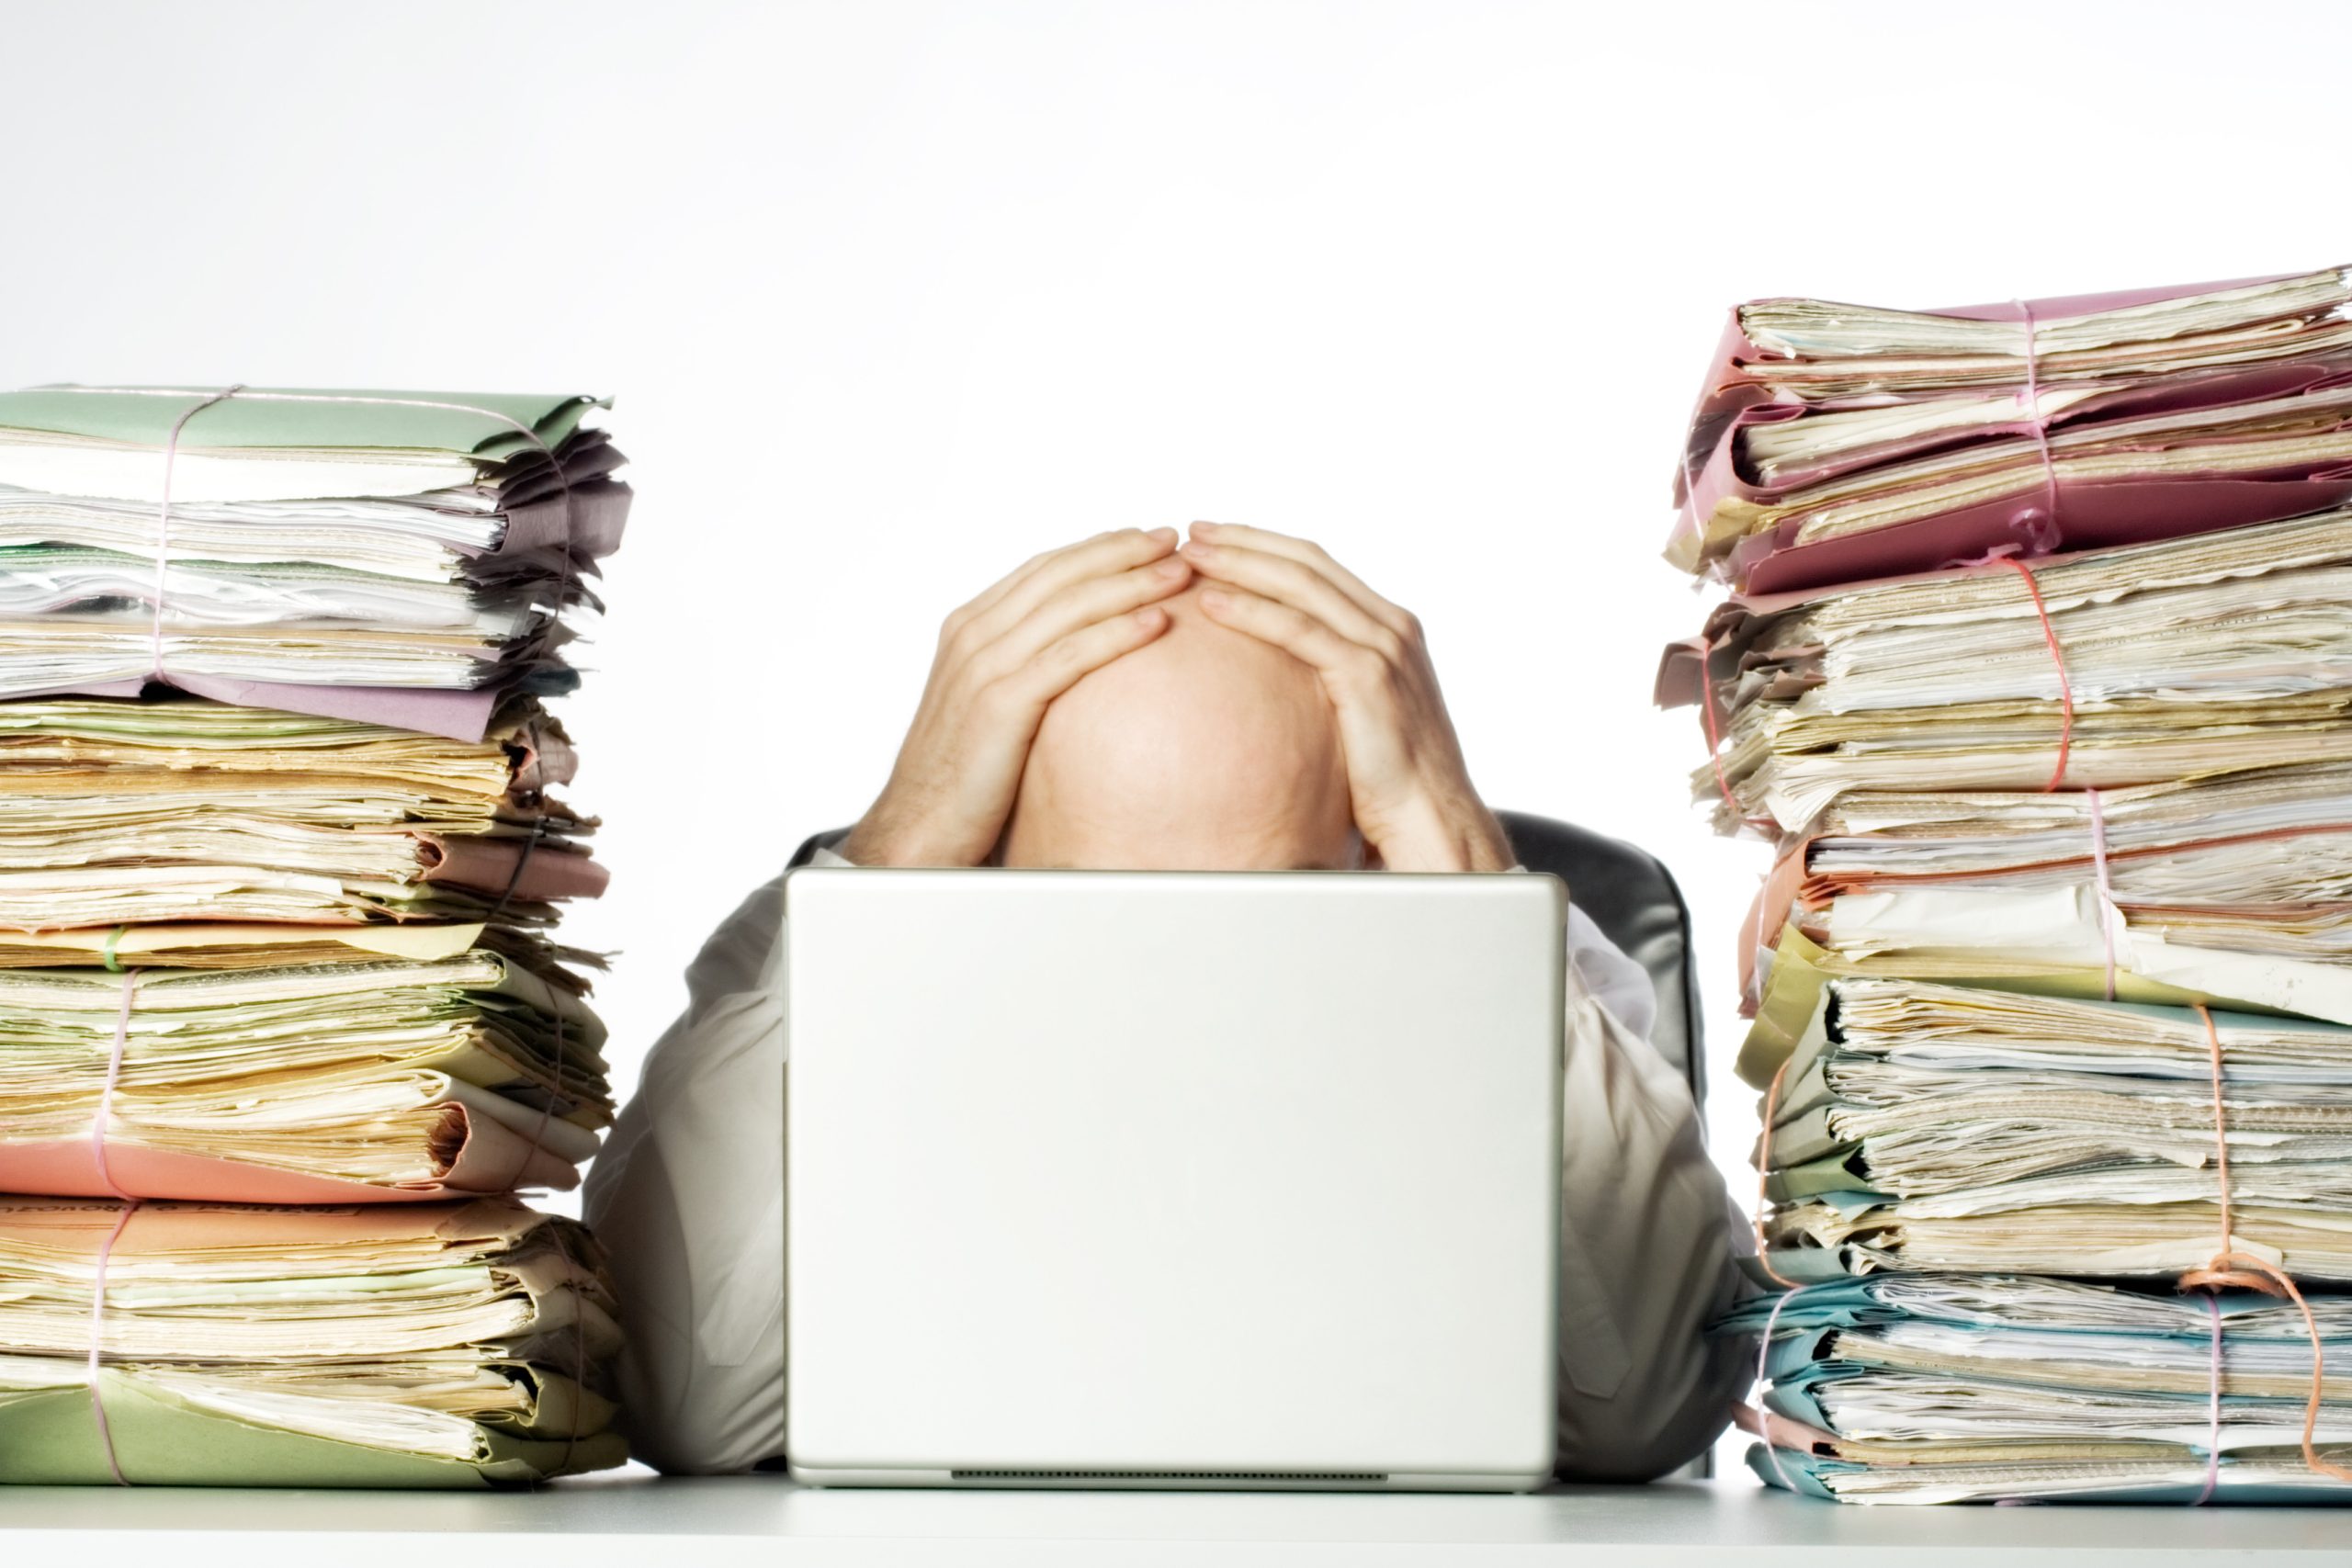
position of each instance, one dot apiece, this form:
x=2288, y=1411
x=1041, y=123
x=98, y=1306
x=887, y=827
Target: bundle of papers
x=119, y=812
x=2232, y=887
x=2181, y=659
x=323, y=1083
x=1894, y=735
x=1930, y=1388
x=1837, y=442
x=1933, y=1126
x=406, y=558
x=321, y=945
x=445, y=1345
x=2037, y=675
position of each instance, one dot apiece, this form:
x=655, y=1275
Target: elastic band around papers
x=514, y=877
x=1764, y=1261
x=2213, y=1409
x=2065, y=682
x=98, y=1326
x=2106, y=890
x=1764, y=1176
x=163, y=528
x=547, y=1107
x=1715, y=749
x=106, y=954
x=1763, y=1358
x=2039, y=526
x=2229, y=1267
x=579, y=1353
x=106, y=1094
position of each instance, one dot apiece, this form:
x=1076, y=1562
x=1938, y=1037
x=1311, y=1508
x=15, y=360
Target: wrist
x=872, y=842
x=1457, y=835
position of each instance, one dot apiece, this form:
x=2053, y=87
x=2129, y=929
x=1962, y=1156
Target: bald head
x=1204, y=749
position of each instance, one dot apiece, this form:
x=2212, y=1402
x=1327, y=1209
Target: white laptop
x=1173, y=1179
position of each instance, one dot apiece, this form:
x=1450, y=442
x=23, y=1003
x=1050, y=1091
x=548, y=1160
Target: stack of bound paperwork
x=401, y=557
x=2037, y=675
x=1964, y=1388
x=435, y=1345
x=282, y=856
x=1837, y=442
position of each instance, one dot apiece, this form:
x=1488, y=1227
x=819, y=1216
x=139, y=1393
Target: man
x=1240, y=703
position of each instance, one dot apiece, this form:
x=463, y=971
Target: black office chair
x=1628, y=893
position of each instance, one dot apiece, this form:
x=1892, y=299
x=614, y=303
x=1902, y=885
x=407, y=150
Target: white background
x=893, y=295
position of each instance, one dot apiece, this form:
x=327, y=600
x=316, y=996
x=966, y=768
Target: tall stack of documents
x=284, y=1015
x=2036, y=672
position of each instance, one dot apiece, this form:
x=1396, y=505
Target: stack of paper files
x=2036, y=674
x=120, y=812
x=283, y=852
x=443, y=1345
x=386, y=1008
x=1935, y=1126
x=1894, y=737
x=418, y=550
x=1834, y=442
x=1932, y=1388
x=313, y=1083
x=2182, y=658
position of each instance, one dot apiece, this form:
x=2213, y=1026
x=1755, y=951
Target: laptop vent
x=1312, y=1477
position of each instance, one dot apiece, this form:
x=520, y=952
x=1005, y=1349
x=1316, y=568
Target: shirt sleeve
x=687, y=1196
x=1646, y=1239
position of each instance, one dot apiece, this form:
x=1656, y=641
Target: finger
x=986, y=617
x=1032, y=684
x=1079, y=604
x=1308, y=553
x=1293, y=583
x=997, y=590
x=1302, y=635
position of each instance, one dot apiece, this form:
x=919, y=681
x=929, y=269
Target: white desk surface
x=767, y=1521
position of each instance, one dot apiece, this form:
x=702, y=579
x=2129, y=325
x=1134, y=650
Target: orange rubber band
x=2230, y=1267
x=2065, y=682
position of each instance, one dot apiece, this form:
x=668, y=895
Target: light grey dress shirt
x=687, y=1196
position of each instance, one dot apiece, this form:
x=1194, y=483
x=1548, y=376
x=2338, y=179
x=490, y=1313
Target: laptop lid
x=1172, y=1178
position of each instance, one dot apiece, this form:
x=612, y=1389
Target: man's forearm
x=1460, y=835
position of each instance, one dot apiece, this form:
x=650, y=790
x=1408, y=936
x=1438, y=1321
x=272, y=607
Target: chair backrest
x=1627, y=892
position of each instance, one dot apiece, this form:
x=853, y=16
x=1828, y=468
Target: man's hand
x=1001, y=658
x=1407, y=783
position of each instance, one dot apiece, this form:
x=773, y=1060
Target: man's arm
x=1645, y=1245
x=687, y=1196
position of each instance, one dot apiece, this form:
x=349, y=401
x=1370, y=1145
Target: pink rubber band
x=1715, y=749
x=106, y=1094
x=97, y=1328
x=2213, y=1410
x=2040, y=428
x=1763, y=1358
x=1764, y=1261
x=2106, y=890
x=2065, y=682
